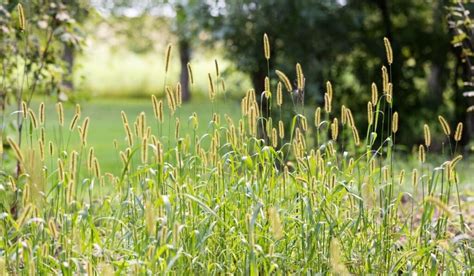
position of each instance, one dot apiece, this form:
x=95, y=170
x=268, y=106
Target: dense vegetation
x=281, y=185
x=326, y=200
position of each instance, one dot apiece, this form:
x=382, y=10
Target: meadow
x=215, y=187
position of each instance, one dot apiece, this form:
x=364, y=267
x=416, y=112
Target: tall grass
x=328, y=199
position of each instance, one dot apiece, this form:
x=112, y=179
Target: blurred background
x=109, y=54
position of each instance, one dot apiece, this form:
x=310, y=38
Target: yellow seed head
x=85, y=130
x=33, y=119
x=281, y=130
x=266, y=46
x=388, y=50
x=421, y=154
x=458, y=133
x=274, y=137
x=212, y=91
x=375, y=94
x=334, y=129
x=401, y=177
x=41, y=149
x=426, y=130
x=74, y=121
x=60, y=170
x=275, y=223
x=355, y=133
x=190, y=73
x=279, y=94
x=41, y=113
x=60, y=111
x=317, y=117
x=370, y=113
x=129, y=133
x=171, y=99
x=96, y=168
x=395, y=122
x=179, y=95
x=455, y=161
x=300, y=77
x=144, y=150
x=154, y=102
x=51, y=148
x=168, y=57
x=444, y=125
x=304, y=123
x=176, y=131
x=385, y=80
x=343, y=115
x=21, y=17
x=329, y=89
x=327, y=103
x=285, y=80
x=414, y=178
x=218, y=73
x=267, y=84
x=90, y=159
x=16, y=149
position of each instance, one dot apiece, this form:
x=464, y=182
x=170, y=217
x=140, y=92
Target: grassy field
x=197, y=189
x=106, y=124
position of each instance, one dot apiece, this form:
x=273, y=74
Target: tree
x=185, y=22
x=341, y=41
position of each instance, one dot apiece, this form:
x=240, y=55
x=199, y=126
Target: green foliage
x=225, y=201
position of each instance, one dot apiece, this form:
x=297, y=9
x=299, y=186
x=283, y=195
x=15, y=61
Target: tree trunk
x=68, y=57
x=184, y=57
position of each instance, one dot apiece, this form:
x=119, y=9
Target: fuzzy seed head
x=427, y=134
x=444, y=125
x=388, y=50
x=284, y=79
x=458, y=133
x=266, y=46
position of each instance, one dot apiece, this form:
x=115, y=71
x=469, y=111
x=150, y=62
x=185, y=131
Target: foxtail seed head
x=388, y=50
x=329, y=89
x=414, y=177
x=370, y=114
x=33, y=119
x=279, y=94
x=212, y=91
x=281, y=130
x=16, y=149
x=355, y=133
x=327, y=103
x=218, y=73
x=299, y=77
x=41, y=113
x=458, y=133
x=426, y=130
x=334, y=129
x=421, y=154
x=395, y=122
x=60, y=111
x=317, y=117
x=178, y=95
x=21, y=17
x=385, y=79
x=168, y=57
x=190, y=73
x=85, y=130
x=285, y=80
x=266, y=46
x=444, y=125
x=375, y=94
